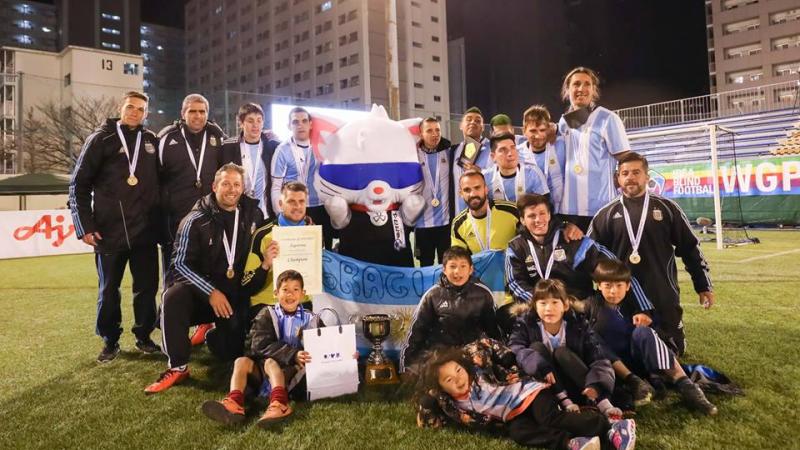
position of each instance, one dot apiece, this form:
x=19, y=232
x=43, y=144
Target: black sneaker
x=695, y=398
x=641, y=390
x=108, y=354
x=148, y=347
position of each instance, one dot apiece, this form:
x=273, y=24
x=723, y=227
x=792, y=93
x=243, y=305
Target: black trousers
x=143, y=262
x=570, y=371
x=543, y=424
x=184, y=305
x=319, y=216
x=431, y=242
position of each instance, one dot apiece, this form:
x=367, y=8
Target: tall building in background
x=753, y=43
x=27, y=24
x=317, y=52
x=105, y=24
x=164, y=76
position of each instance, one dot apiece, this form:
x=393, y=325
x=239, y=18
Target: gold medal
x=635, y=258
x=578, y=168
x=552, y=161
x=435, y=203
x=229, y=274
x=197, y=184
x=132, y=180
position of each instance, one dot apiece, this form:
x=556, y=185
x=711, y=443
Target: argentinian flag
x=352, y=287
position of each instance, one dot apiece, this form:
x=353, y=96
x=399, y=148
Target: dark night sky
x=518, y=50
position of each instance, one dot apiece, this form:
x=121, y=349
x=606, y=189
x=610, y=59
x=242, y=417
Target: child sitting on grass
x=453, y=312
x=633, y=346
x=553, y=344
x=276, y=357
x=478, y=386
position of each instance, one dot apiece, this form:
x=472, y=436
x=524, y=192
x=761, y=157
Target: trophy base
x=380, y=374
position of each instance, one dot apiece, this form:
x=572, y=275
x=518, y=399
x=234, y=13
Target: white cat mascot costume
x=370, y=181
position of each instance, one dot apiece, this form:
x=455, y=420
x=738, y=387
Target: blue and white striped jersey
x=285, y=168
x=590, y=163
x=435, y=216
x=551, y=162
x=531, y=181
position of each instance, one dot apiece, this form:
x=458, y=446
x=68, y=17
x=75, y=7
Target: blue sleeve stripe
x=580, y=255
x=515, y=288
x=180, y=257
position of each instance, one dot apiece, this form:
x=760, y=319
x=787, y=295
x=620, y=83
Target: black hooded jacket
x=199, y=257
x=100, y=198
x=451, y=316
x=178, y=175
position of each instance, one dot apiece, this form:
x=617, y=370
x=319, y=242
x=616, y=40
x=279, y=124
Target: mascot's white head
x=371, y=161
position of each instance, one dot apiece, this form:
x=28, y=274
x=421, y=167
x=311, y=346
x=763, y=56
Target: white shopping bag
x=332, y=371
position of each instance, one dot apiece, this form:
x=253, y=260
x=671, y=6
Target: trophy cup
x=379, y=369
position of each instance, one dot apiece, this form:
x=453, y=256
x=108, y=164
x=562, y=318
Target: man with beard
x=205, y=277
x=646, y=231
x=473, y=153
x=432, y=231
x=485, y=224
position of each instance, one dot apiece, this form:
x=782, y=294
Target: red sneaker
x=199, y=335
x=276, y=412
x=167, y=379
x=226, y=411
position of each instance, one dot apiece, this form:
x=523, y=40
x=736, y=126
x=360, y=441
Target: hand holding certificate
x=300, y=250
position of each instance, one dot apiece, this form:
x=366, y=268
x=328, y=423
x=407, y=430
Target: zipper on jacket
x=124, y=225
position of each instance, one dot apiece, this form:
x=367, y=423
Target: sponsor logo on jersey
x=617, y=215
x=172, y=142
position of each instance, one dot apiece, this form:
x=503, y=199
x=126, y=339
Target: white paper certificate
x=300, y=250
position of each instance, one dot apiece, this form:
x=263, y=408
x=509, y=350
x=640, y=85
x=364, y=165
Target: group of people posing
x=567, y=202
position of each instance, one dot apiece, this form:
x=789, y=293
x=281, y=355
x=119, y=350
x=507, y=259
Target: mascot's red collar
x=363, y=208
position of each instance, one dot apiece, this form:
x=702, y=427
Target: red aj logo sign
x=46, y=227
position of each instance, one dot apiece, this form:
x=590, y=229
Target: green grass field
x=54, y=395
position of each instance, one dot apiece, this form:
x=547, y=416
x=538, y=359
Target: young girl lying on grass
x=478, y=386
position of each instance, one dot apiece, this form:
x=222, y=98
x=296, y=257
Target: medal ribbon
x=546, y=275
x=301, y=160
x=252, y=173
x=131, y=164
x=197, y=167
x=488, y=242
x=635, y=240
x=426, y=172
x=519, y=181
x=230, y=249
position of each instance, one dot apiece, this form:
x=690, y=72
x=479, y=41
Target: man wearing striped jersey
x=253, y=150
x=205, y=277
x=647, y=231
x=485, y=224
x=595, y=139
x=509, y=179
x=467, y=157
x=539, y=150
x=432, y=230
x=540, y=251
x=295, y=161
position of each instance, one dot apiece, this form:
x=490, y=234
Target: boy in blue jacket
x=631, y=340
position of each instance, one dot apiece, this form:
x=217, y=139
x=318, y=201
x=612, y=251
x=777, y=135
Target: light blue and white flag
x=357, y=288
